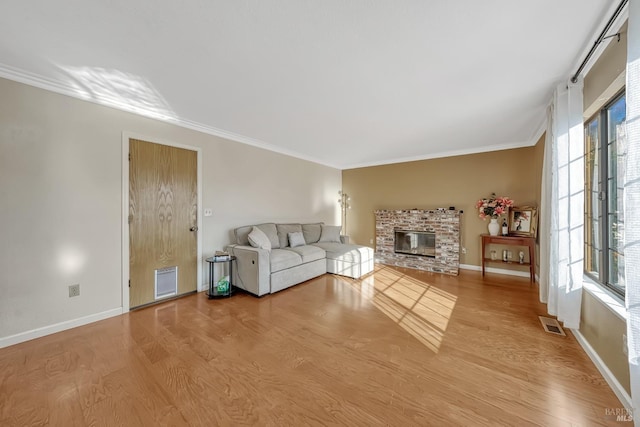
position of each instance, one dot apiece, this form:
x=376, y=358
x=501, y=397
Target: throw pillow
x=270, y=230
x=258, y=239
x=330, y=233
x=296, y=239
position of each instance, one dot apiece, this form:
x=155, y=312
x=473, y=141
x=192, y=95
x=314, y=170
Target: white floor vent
x=166, y=282
x=551, y=326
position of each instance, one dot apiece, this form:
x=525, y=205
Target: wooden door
x=163, y=206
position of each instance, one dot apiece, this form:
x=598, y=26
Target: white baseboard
x=613, y=382
x=495, y=270
x=58, y=327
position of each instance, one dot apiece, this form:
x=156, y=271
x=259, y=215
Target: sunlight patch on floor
x=421, y=309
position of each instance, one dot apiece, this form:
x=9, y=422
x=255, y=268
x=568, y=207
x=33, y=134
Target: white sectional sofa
x=264, y=267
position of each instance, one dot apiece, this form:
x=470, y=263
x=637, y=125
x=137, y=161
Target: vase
x=494, y=227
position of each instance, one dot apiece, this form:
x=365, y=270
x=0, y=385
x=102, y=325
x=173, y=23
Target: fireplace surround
x=444, y=225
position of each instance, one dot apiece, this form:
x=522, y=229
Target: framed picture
x=523, y=221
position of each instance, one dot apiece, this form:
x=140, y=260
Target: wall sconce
x=344, y=206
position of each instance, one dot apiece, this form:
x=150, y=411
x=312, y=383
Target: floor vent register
x=551, y=326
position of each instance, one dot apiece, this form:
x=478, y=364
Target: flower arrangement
x=493, y=207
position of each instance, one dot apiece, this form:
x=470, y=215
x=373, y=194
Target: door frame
x=126, y=136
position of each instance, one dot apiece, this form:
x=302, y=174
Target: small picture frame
x=523, y=221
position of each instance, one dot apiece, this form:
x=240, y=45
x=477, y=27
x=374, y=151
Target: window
x=605, y=149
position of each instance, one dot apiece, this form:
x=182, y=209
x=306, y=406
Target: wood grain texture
x=399, y=347
x=163, y=203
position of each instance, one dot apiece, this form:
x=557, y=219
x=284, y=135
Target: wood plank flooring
x=399, y=347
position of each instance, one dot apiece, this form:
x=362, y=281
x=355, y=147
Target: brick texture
x=446, y=226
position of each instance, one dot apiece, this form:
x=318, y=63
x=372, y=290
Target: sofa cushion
x=296, y=239
x=282, y=259
x=242, y=234
x=330, y=233
x=309, y=253
x=283, y=233
x=271, y=232
x=312, y=232
x=258, y=239
x=346, y=253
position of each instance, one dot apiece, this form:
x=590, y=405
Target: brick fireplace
x=445, y=224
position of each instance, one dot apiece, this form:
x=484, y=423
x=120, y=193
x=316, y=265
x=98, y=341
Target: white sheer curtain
x=632, y=205
x=562, y=207
x=544, y=229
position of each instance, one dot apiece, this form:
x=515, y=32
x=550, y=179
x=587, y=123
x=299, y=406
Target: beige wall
x=460, y=181
x=61, y=187
x=452, y=181
x=606, y=77
x=598, y=324
x=538, y=160
x=604, y=331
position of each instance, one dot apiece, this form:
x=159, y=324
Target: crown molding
x=540, y=130
x=452, y=153
x=64, y=88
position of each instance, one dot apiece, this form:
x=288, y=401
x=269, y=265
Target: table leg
x=230, y=277
x=532, y=261
x=482, y=256
x=210, y=280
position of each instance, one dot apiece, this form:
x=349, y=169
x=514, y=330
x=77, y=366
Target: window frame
x=604, y=264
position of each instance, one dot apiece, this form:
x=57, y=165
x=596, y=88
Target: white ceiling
x=345, y=83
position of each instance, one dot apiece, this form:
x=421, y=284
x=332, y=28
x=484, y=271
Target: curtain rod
x=599, y=40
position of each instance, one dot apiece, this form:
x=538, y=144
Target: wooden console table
x=529, y=242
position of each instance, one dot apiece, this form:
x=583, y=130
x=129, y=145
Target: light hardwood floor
x=399, y=348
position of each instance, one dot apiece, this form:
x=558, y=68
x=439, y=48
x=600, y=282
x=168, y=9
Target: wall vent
x=166, y=282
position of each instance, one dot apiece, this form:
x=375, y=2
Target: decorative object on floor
x=492, y=208
x=344, y=206
x=521, y=257
x=551, y=326
x=523, y=221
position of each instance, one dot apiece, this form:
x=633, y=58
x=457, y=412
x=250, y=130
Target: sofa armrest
x=344, y=239
x=252, y=270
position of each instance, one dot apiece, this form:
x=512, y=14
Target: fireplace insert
x=421, y=243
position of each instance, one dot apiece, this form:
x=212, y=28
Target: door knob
x=194, y=228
